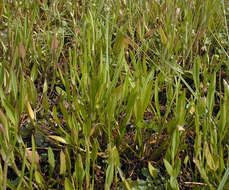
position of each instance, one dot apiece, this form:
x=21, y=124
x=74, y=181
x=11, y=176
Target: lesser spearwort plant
x=114, y=94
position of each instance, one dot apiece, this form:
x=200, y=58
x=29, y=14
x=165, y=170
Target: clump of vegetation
x=114, y=94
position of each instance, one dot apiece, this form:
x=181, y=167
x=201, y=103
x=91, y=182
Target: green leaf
x=153, y=171
x=196, y=72
x=79, y=169
x=34, y=72
x=168, y=167
x=5, y=124
x=10, y=112
x=114, y=156
x=131, y=99
x=1, y=174
x=119, y=43
x=95, y=148
x=2, y=95
x=147, y=94
x=68, y=185
x=62, y=163
x=202, y=172
x=23, y=92
x=2, y=74
x=177, y=168
x=109, y=176
x=180, y=112
x=156, y=98
x=45, y=88
x=14, y=83
x=45, y=102
x=68, y=159
x=175, y=144
x=51, y=160
x=224, y=180
x=162, y=35
x=225, y=111
x=174, y=184
x=127, y=185
x=210, y=161
x=55, y=117
x=211, y=93
x=61, y=75
x=38, y=177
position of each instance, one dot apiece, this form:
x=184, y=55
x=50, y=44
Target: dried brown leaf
x=128, y=42
x=54, y=44
x=29, y=155
x=149, y=33
x=20, y=13
x=2, y=129
x=22, y=51
x=39, y=2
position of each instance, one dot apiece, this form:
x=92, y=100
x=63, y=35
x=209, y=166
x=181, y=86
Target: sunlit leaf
x=168, y=167
x=38, y=177
x=174, y=183
x=58, y=139
x=153, y=171
x=68, y=185
x=162, y=35
x=31, y=113
x=62, y=163
x=210, y=161
x=34, y=73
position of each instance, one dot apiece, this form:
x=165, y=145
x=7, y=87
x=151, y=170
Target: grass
x=114, y=94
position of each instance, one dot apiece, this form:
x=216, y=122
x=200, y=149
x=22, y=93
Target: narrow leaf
x=51, y=159
x=38, y=177
x=224, y=180
x=168, y=167
x=162, y=35
x=153, y=171
x=68, y=185
x=210, y=161
x=54, y=44
x=109, y=176
x=31, y=113
x=62, y=163
x=58, y=138
x=22, y=51
x=29, y=155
